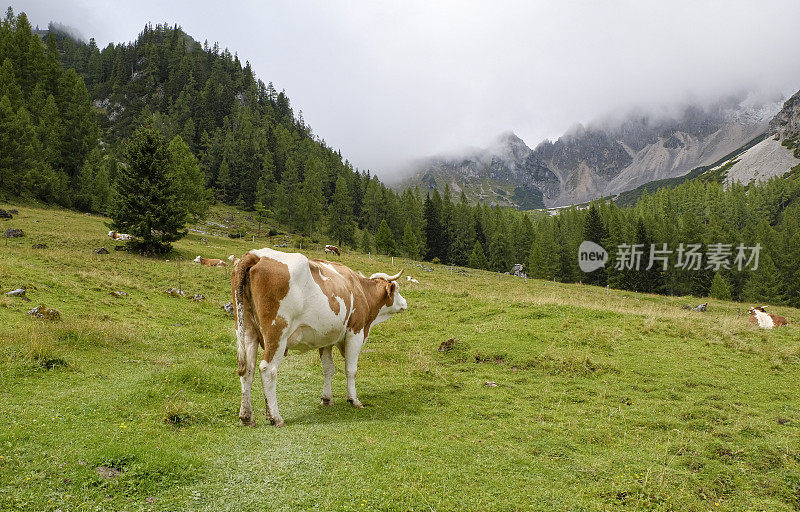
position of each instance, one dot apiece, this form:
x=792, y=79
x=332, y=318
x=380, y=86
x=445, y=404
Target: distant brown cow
x=760, y=317
x=119, y=236
x=210, y=262
x=332, y=249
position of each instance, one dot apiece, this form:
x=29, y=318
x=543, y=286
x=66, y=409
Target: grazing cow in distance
x=210, y=262
x=286, y=301
x=411, y=280
x=233, y=259
x=119, y=236
x=332, y=249
x=760, y=317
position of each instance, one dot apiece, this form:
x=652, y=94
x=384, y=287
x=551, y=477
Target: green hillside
x=615, y=402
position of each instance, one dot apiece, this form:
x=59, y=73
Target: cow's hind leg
x=328, y=368
x=350, y=351
x=273, y=355
x=250, y=341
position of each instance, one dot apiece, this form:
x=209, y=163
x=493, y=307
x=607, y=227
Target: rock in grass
x=198, y=297
x=45, y=313
x=107, y=472
x=19, y=292
x=174, y=292
x=39, y=246
x=448, y=345
x=120, y=247
x=101, y=250
x=5, y=215
x=118, y=294
x=490, y=384
x=13, y=212
x=14, y=233
x=228, y=308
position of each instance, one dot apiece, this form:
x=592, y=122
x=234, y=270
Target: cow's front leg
x=269, y=380
x=352, y=348
x=328, y=368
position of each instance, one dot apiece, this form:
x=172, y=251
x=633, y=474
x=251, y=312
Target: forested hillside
x=257, y=154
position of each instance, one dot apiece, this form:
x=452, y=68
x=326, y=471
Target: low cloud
x=387, y=82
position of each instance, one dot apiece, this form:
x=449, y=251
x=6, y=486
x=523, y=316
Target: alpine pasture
x=615, y=402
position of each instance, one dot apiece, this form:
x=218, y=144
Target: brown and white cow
x=332, y=249
x=119, y=236
x=760, y=317
x=210, y=262
x=286, y=301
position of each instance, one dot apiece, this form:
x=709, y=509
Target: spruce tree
x=188, y=178
x=147, y=205
x=384, y=240
x=477, y=258
x=720, y=289
x=595, y=231
x=366, y=241
x=410, y=243
x=340, y=214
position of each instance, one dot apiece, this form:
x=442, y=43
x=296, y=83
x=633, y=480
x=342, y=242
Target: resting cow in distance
x=286, y=301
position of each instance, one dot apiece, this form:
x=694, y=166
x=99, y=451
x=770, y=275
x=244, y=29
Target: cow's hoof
x=277, y=423
x=326, y=401
x=356, y=403
x=248, y=422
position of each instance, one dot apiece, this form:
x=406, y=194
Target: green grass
x=603, y=402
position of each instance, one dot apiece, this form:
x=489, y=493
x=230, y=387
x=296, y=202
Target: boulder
x=101, y=250
x=14, y=233
x=45, y=313
x=19, y=292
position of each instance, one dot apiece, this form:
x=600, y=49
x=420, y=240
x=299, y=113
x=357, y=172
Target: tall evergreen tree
x=341, y=226
x=147, y=204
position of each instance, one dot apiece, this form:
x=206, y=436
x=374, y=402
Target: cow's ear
x=390, y=288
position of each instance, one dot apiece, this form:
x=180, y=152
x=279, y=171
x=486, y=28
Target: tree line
x=77, y=119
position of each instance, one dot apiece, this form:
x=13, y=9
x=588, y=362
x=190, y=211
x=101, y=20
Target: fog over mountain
x=388, y=82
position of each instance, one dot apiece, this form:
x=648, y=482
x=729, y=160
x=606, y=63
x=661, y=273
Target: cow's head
x=197, y=259
x=393, y=301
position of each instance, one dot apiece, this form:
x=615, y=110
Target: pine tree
x=341, y=226
x=366, y=242
x=384, y=240
x=312, y=201
x=433, y=227
x=188, y=178
x=595, y=231
x=720, y=289
x=477, y=259
x=410, y=243
x=261, y=214
x=500, y=256
x=147, y=205
x=224, y=180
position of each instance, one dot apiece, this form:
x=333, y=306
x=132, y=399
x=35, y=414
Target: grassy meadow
x=602, y=402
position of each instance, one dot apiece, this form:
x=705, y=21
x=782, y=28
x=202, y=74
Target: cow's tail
x=238, y=284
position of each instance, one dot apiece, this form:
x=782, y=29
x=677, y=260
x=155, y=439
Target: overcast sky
x=389, y=81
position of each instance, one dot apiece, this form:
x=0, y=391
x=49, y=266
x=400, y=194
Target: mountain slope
x=603, y=158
